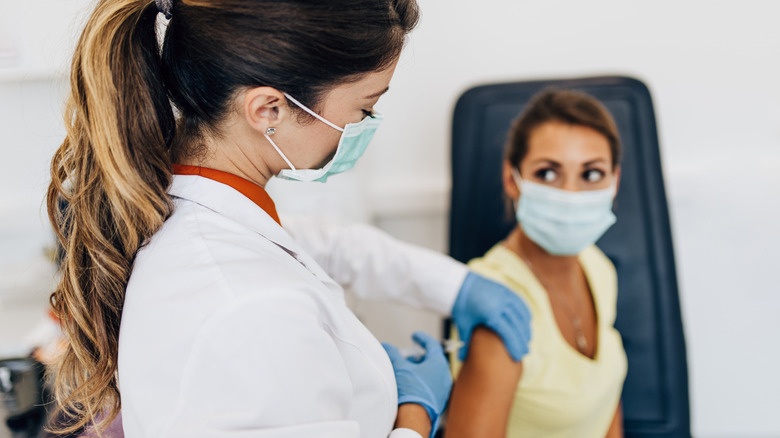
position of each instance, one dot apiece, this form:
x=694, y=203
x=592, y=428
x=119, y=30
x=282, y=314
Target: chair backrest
x=655, y=394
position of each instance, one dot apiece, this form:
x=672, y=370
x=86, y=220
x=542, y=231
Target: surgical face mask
x=560, y=221
x=353, y=142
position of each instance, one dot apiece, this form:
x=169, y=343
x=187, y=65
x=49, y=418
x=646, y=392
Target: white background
x=713, y=68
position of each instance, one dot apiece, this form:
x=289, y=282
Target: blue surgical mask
x=353, y=142
x=560, y=221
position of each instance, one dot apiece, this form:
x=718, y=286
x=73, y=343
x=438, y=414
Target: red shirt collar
x=255, y=193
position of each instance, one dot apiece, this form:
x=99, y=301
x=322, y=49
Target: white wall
x=713, y=69
x=35, y=40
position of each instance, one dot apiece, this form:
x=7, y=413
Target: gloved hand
x=423, y=380
x=484, y=302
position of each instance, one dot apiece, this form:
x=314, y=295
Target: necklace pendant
x=582, y=343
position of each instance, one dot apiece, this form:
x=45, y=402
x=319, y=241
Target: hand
x=485, y=302
x=425, y=380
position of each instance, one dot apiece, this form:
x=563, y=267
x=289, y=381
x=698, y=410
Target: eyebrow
x=558, y=165
x=377, y=94
x=548, y=161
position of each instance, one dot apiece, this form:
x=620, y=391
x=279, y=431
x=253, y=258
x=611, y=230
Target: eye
x=547, y=175
x=593, y=175
x=368, y=113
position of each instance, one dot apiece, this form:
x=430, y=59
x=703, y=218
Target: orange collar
x=255, y=193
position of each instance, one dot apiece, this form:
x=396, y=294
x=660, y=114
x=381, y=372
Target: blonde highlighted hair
x=107, y=197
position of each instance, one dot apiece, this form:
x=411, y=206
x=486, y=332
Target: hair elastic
x=165, y=7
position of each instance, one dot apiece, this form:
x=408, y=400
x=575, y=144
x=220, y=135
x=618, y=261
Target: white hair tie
x=165, y=7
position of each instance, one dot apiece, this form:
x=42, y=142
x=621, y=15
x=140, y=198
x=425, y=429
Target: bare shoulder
x=487, y=351
x=483, y=394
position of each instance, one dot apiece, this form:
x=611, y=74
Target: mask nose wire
x=319, y=117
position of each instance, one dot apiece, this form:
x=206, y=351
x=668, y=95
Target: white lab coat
x=230, y=329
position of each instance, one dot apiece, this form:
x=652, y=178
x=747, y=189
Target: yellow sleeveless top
x=561, y=392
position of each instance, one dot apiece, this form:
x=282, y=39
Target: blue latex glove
x=423, y=380
x=484, y=302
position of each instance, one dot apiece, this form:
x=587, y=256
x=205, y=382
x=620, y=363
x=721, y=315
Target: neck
x=236, y=154
x=539, y=259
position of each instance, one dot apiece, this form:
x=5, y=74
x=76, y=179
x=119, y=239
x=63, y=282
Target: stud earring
x=270, y=131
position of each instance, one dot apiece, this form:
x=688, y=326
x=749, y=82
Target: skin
x=482, y=396
x=568, y=157
x=415, y=417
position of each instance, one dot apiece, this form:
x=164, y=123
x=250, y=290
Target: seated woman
x=561, y=173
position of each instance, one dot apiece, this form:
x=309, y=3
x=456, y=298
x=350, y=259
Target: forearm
x=374, y=265
x=394, y=270
x=413, y=416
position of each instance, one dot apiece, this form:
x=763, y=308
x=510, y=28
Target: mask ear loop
x=280, y=152
x=301, y=106
x=516, y=176
x=319, y=117
x=519, y=183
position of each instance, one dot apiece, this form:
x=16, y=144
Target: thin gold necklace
x=576, y=321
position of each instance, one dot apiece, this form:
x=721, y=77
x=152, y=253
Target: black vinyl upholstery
x=655, y=395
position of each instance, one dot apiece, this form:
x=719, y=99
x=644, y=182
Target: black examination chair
x=655, y=396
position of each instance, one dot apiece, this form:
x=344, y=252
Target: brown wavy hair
x=108, y=196
x=565, y=106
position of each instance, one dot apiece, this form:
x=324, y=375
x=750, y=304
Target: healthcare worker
x=185, y=303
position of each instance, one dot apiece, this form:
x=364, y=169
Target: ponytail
x=106, y=198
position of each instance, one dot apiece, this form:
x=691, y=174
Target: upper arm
x=616, y=427
x=484, y=391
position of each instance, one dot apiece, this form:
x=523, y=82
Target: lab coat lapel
x=230, y=203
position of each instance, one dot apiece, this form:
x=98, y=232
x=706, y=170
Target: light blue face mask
x=560, y=221
x=353, y=142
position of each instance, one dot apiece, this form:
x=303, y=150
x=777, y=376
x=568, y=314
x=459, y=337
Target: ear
x=617, y=178
x=264, y=107
x=511, y=189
